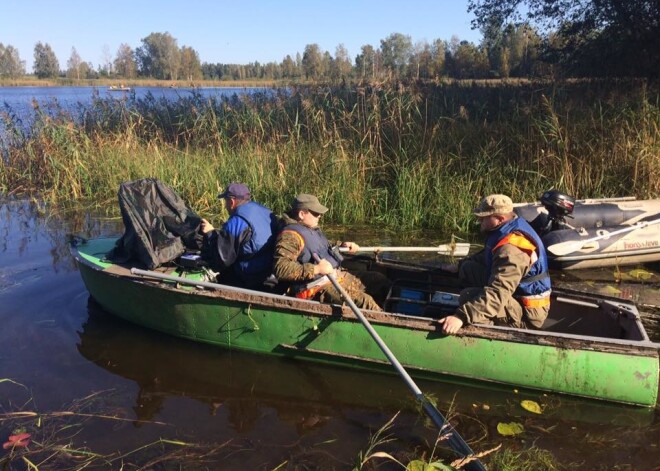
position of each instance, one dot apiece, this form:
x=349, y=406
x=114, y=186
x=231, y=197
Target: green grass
x=528, y=459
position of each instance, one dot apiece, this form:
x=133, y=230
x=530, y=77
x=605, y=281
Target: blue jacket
x=245, y=242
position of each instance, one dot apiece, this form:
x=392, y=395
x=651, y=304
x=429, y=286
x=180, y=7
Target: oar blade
x=564, y=248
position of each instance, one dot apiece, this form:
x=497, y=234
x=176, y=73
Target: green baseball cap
x=309, y=203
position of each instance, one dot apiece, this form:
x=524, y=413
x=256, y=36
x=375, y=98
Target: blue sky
x=226, y=32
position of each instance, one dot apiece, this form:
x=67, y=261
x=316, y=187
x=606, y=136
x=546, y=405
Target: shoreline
x=106, y=83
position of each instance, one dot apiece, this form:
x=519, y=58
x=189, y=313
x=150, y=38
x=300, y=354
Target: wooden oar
x=457, y=250
x=455, y=441
x=564, y=248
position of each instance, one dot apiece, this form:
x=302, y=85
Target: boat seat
x=418, y=298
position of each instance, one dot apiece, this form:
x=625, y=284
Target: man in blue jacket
x=242, y=249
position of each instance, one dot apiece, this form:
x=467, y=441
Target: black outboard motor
x=559, y=206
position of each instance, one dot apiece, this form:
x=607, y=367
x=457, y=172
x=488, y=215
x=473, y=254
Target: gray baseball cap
x=235, y=190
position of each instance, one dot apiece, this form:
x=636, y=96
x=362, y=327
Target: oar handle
x=458, y=249
x=456, y=442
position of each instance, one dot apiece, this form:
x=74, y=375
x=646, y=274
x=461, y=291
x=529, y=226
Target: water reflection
x=29, y=224
x=239, y=383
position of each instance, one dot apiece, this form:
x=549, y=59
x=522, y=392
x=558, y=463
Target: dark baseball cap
x=235, y=190
x=308, y=202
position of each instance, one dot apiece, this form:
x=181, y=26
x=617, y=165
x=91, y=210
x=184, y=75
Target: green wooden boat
x=591, y=346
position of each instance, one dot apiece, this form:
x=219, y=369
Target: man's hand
x=451, y=324
x=206, y=226
x=351, y=246
x=323, y=268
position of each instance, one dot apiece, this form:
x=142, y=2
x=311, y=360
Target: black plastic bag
x=159, y=225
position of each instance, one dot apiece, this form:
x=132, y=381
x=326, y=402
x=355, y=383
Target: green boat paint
x=611, y=369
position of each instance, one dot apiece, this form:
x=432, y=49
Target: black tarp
x=159, y=225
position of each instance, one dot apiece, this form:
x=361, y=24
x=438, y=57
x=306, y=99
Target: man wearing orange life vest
x=508, y=282
x=294, y=264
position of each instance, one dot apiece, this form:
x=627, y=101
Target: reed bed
x=393, y=155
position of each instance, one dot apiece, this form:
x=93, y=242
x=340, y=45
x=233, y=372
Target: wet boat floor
x=639, y=284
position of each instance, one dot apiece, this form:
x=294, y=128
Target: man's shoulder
x=291, y=236
x=235, y=223
x=511, y=252
x=289, y=243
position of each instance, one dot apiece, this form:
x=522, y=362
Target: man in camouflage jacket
x=508, y=282
x=294, y=262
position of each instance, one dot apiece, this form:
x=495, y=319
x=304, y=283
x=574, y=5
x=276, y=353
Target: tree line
x=594, y=38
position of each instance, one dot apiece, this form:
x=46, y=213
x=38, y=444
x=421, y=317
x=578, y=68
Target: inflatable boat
x=595, y=232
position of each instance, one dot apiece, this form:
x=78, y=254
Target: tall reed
x=396, y=155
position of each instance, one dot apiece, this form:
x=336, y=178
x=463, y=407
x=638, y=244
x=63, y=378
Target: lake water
x=19, y=101
x=21, y=96
x=100, y=385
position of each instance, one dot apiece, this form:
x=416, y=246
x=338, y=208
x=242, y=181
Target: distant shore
x=107, y=82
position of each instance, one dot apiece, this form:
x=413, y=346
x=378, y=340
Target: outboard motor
x=559, y=206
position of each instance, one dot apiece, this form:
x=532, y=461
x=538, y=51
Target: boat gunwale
x=644, y=348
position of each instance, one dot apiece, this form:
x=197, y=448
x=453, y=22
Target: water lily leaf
x=531, y=406
x=609, y=289
x=640, y=274
x=512, y=428
x=420, y=465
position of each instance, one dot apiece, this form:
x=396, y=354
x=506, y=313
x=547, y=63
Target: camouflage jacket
x=288, y=247
x=510, y=264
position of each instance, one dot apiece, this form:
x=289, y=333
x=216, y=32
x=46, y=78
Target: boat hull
x=640, y=245
x=620, y=371
x=290, y=387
